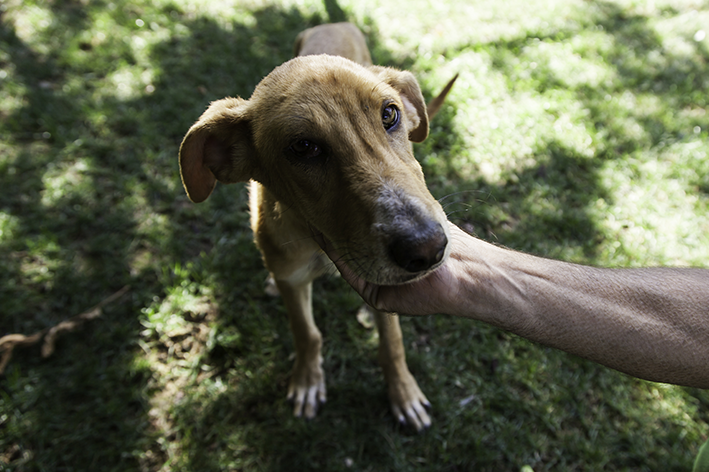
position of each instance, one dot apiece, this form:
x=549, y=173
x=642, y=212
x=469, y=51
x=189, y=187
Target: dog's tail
x=435, y=104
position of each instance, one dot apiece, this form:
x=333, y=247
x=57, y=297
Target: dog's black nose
x=420, y=249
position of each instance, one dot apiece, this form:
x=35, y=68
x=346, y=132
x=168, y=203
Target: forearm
x=650, y=323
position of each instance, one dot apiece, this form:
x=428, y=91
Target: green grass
x=578, y=130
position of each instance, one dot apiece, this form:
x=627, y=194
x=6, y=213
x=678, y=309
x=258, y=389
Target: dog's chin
x=398, y=276
x=386, y=272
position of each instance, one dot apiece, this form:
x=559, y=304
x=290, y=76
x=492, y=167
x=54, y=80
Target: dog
x=325, y=141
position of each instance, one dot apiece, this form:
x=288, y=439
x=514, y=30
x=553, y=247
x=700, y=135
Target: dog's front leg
x=408, y=403
x=307, y=384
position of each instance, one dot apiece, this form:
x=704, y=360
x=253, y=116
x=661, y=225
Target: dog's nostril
x=416, y=265
x=419, y=252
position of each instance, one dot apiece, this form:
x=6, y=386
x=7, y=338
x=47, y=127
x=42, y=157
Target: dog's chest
x=318, y=264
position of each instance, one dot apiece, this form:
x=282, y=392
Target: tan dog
x=325, y=141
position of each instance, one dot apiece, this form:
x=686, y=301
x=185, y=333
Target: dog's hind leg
x=307, y=384
x=408, y=403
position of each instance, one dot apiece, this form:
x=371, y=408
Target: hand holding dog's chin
x=425, y=296
x=437, y=292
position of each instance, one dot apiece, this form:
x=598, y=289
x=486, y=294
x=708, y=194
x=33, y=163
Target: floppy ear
x=414, y=106
x=219, y=147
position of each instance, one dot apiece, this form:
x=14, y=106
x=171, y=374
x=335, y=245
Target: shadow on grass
x=91, y=201
x=68, y=248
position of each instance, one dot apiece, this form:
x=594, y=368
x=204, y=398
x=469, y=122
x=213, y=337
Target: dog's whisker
x=455, y=214
x=455, y=194
x=450, y=204
x=488, y=196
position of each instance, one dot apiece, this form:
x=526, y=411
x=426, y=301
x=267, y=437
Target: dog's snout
x=420, y=249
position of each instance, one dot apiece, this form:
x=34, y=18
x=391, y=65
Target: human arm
x=651, y=323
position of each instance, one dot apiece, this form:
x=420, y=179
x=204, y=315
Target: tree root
x=11, y=341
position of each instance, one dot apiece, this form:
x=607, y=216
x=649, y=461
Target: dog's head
x=330, y=139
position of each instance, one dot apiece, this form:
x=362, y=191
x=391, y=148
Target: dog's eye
x=305, y=149
x=390, y=116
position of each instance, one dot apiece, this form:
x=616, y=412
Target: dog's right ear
x=219, y=147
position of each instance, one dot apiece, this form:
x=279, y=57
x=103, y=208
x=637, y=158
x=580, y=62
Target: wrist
x=486, y=286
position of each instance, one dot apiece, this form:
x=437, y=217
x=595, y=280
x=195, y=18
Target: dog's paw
x=307, y=389
x=409, y=404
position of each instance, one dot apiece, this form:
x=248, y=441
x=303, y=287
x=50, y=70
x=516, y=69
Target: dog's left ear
x=414, y=106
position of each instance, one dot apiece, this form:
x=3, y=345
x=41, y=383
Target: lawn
x=578, y=130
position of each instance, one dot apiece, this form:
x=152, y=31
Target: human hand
x=435, y=293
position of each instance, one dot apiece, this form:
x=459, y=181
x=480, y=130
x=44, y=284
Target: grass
x=578, y=130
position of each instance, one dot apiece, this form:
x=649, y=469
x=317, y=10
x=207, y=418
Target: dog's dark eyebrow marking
x=302, y=123
x=295, y=118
